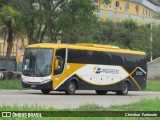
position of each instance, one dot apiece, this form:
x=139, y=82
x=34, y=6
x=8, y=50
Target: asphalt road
x=60, y=100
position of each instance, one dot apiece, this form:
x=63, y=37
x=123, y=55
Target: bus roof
x=87, y=46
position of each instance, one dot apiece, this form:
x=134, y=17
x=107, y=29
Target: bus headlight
x=24, y=80
x=45, y=81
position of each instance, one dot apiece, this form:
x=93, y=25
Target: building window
x=117, y=4
x=127, y=6
x=143, y=11
x=146, y=12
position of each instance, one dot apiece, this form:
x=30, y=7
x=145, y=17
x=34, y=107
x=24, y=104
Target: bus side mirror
x=56, y=64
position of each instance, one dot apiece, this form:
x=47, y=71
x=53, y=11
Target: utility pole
x=151, y=40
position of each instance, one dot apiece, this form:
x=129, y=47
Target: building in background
x=16, y=57
x=141, y=11
x=11, y=64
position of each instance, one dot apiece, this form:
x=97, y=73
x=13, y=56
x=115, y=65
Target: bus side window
x=130, y=60
x=117, y=59
x=61, y=57
x=105, y=58
x=141, y=60
x=75, y=56
x=91, y=57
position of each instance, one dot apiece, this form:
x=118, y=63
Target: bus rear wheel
x=45, y=91
x=125, y=89
x=71, y=88
x=101, y=92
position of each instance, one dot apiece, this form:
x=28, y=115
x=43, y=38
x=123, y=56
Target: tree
x=50, y=17
x=39, y=17
x=117, y=33
x=141, y=39
x=28, y=20
x=79, y=21
x=156, y=41
x=126, y=34
x=4, y=3
x=8, y=26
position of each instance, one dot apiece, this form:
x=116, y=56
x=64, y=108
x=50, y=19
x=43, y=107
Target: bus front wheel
x=101, y=92
x=45, y=91
x=71, y=88
x=125, y=89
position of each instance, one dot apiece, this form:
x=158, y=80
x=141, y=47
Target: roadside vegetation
x=153, y=85
x=143, y=105
x=11, y=84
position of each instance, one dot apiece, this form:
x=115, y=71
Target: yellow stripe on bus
x=130, y=74
x=70, y=69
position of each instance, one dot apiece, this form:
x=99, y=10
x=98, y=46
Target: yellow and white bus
x=70, y=67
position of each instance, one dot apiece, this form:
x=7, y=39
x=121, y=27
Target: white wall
x=154, y=69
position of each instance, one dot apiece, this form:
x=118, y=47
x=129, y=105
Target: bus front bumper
x=39, y=86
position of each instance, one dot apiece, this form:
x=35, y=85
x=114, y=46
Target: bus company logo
x=99, y=70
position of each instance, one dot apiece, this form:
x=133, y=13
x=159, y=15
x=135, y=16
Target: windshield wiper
x=28, y=72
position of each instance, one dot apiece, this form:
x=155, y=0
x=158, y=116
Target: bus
x=70, y=67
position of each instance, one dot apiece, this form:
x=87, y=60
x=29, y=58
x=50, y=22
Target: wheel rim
x=72, y=87
x=125, y=89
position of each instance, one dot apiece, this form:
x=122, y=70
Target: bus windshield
x=37, y=62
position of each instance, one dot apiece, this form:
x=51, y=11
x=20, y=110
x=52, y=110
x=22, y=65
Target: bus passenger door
x=59, y=69
x=60, y=56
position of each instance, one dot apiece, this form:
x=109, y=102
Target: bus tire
x=71, y=88
x=45, y=91
x=101, y=92
x=125, y=89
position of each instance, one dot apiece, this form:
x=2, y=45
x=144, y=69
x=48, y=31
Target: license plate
x=33, y=86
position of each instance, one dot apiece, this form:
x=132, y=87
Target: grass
x=153, y=85
x=16, y=84
x=143, y=105
x=11, y=84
